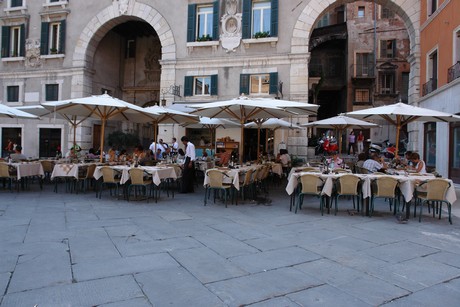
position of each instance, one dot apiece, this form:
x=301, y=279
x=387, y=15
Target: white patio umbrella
x=245, y=109
x=340, y=123
x=103, y=107
x=169, y=116
x=7, y=111
x=401, y=114
x=271, y=123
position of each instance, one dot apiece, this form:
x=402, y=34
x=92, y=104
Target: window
x=203, y=22
x=130, y=48
x=433, y=66
x=361, y=11
x=53, y=37
x=387, y=83
x=260, y=18
x=388, y=48
x=432, y=6
x=362, y=96
x=386, y=13
x=430, y=144
x=12, y=93
x=200, y=85
x=364, y=64
x=259, y=84
x=16, y=3
x=13, y=41
x=51, y=92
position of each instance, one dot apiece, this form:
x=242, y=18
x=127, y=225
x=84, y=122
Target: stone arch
x=106, y=20
x=408, y=10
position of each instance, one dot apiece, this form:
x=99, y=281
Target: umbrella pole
x=398, y=129
x=102, y=138
x=258, y=142
x=242, y=142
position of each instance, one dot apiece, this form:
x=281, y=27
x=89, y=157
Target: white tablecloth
x=26, y=169
x=157, y=173
x=66, y=170
x=232, y=175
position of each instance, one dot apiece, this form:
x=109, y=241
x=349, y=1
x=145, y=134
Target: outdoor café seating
x=8, y=177
x=432, y=193
x=216, y=184
x=310, y=184
x=348, y=185
x=384, y=187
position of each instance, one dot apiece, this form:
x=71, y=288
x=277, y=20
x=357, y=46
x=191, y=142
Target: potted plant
x=261, y=34
x=53, y=51
x=204, y=38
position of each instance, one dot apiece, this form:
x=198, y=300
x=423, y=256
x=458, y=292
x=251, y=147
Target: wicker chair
x=138, y=182
x=86, y=179
x=6, y=175
x=347, y=185
x=247, y=184
x=109, y=180
x=48, y=167
x=435, y=193
x=310, y=184
x=216, y=178
x=384, y=187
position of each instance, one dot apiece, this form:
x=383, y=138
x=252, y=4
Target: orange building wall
x=438, y=32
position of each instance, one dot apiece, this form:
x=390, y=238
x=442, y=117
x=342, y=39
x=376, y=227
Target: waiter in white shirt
x=188, y=174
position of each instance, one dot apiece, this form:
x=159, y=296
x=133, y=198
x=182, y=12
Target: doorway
x=250, y=143
x=49, y=142
x=13, y=134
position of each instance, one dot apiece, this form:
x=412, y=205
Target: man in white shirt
x=188, y=174
x=375, y=164
x=175, y=145
x=155, y=147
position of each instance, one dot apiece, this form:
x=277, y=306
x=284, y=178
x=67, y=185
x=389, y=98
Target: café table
x=157, y=172
x=232, y=175
x=28, y=169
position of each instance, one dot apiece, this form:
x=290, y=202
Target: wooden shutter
x=44, y=38
x=188, y=86
x=273, y=83
x=246, y=23
x=215, y=21
x=274, y=19
x=191, y=22
x=62, y=30
x=244, y=84
x=214, y=87
x=22, y=43
x=5, y=41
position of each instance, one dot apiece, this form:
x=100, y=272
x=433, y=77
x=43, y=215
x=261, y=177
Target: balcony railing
x=453, y=72
x=363, y=71
x=429, y=87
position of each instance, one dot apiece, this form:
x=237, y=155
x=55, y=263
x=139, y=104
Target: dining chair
x=48, y=167
x=340, y=171
x=138, y=182
x=247, y=184
x=384, y=187
x=216, y=184
x=86, y=179
x=432, y=192
x=310, y=184
x=6, y=175
x=109, y=180
x=347, y=185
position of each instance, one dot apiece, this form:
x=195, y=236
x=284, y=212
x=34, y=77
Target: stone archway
x=106, y=20
x=408, y=10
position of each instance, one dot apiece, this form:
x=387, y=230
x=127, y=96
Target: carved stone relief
x=122, y=6
x=33, y=53
x=231, y=26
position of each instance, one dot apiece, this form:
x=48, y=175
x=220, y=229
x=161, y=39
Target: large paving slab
x=63, y=249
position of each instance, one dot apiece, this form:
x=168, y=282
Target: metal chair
x=436, y=190
x=310, y=184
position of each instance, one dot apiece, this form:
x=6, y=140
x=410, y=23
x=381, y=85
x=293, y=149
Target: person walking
x=360, y=141
x=188, y=174
x=351, y=142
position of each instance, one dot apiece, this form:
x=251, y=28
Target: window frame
x=15, y=98
x=21, y=93
x=208, y=15
x=432, y=7
x=15, y=42
x=362, y=90
x=361, y=11
x=56, y=90
x=387, y=55
x=10, y=4
x=261, y=83
x=267, y=7
x=383, y=82
x=203, y=88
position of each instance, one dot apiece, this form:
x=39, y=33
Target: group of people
x=355, y=142
x=376, y=163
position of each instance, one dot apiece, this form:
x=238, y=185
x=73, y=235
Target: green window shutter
x=188, y=86
x=215, y=21
x=5, y=42
x=214, y=87
x=191, y=22
x=244, y=84
x=22, y=43
x=273, y=83
x=44, y=38
x=274, y=19
x=383, y=49
x=62, y=31
x=246, y=23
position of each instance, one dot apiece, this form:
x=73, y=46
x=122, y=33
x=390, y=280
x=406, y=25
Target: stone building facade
x=144, y=50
